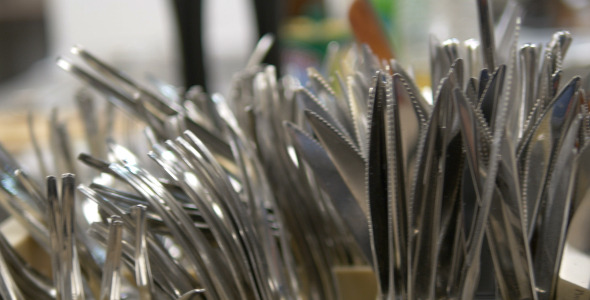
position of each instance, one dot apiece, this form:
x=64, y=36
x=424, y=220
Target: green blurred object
x=385, y=9
x=305, y=41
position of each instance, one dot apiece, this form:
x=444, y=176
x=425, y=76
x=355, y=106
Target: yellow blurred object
x=28, y=249
x=356, y=283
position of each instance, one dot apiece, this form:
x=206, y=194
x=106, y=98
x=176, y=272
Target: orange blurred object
x=367, y=29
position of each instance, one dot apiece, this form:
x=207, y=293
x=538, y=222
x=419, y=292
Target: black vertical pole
x=268, y=18
x=189, y=22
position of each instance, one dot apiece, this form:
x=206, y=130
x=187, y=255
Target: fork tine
x=143, y=274
x=8, y=289
x=72, y=277
x=111, y=281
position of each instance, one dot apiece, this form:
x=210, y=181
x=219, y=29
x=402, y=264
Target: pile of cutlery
x=478, y=191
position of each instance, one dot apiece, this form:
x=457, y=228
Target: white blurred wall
x=140, y=35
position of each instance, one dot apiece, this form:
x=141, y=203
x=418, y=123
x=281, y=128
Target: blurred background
x=185, y=42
